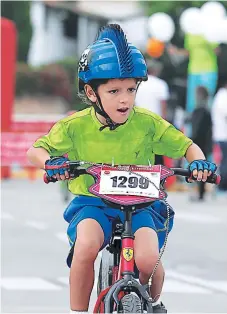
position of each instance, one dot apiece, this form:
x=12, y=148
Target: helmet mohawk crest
x=115, y=34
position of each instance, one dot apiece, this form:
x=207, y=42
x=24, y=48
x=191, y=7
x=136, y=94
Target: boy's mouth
x=123, y=110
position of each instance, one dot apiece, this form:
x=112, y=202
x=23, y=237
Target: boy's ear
x=90, y=93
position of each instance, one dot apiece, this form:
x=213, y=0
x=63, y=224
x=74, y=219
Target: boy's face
x=118, y=98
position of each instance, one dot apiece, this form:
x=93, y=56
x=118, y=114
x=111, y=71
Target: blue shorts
x=83, y=207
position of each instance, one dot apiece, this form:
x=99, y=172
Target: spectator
x=201, y=125
x=219, y=115
x=154, y=93
x=202, y=66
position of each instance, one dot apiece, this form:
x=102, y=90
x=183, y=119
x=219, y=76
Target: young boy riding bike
x=112, y=130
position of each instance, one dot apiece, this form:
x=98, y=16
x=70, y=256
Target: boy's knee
x=89, y=240
x=146, y=262
x=86, y=250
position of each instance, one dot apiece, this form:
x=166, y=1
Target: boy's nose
x=123, y=99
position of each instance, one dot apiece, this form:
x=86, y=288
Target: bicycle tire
x=130, y=303
x=105, y=265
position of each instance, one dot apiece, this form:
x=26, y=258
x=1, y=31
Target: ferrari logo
x=128, y=254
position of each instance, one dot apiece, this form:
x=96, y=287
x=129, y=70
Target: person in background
x=154, y=94
x=202, y=66
x=201, y=125
x=219, y=116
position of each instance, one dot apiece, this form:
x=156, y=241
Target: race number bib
x=138, y=182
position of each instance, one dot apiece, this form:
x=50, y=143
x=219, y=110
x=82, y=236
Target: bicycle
x=127, y=188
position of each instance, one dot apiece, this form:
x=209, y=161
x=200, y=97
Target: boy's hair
x=94, y=84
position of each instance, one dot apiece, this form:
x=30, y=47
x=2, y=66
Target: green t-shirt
x=202, y=57
x=135, y=142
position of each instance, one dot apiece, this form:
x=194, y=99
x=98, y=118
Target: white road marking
x=198, y=218
x=64, y=280
x=175, y=286
x=62, y=236
x=6, y=216
x=170, y=286
x=28, y=283
x=36, y=225
x=209, y=284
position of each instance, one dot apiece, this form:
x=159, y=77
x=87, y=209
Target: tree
x=174, y=9
x=19, y=12
x=171, y=7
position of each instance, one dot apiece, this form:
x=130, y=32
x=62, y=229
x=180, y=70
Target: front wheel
x=130, y=303
x=104, y=271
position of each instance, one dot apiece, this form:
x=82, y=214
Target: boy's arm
x=194, y=153
x=56, y=143
x=38, y=156
x=172, y=143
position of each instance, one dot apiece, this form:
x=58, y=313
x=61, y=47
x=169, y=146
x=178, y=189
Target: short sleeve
x=172, y=143
x=57, y=142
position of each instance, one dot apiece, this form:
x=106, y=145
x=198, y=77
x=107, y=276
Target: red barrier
x=8, y=68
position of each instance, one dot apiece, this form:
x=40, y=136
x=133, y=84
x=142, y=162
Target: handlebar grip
x=215, y=179
x=47, y=179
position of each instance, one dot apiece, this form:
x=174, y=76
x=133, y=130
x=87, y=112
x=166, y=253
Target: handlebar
x=75, y=172
x=213, y=179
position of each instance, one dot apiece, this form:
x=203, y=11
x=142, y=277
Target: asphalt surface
x=34, y=275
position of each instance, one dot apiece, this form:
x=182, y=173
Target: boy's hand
x=201, y=169
x=57, y=168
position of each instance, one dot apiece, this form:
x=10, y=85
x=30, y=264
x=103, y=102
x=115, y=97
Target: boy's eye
x=132, y=89
x=113, y=91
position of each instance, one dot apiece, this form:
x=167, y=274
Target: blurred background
x=185, y=46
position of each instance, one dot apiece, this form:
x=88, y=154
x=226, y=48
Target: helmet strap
x=100, y=110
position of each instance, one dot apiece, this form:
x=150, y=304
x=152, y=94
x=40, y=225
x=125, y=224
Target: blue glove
x=201, y=165
x=59, y=162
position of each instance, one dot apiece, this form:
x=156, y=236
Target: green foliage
x=57, y=79
x=27, y=81
x=171, y=7
x=70, y=66
x=18, y=11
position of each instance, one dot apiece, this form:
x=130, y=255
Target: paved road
x=34, y=247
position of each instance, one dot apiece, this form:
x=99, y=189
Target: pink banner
x=14, y=147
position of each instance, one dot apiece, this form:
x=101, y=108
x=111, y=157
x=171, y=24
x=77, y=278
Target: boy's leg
x=146, y=256
x=90, y=238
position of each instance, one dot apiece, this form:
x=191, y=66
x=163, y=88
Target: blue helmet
x=111, y=57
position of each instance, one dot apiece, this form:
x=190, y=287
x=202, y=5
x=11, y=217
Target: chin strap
x=99, y=109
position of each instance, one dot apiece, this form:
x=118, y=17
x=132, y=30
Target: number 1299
x=131, y=182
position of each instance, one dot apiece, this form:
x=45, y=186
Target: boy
x=110, y=71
